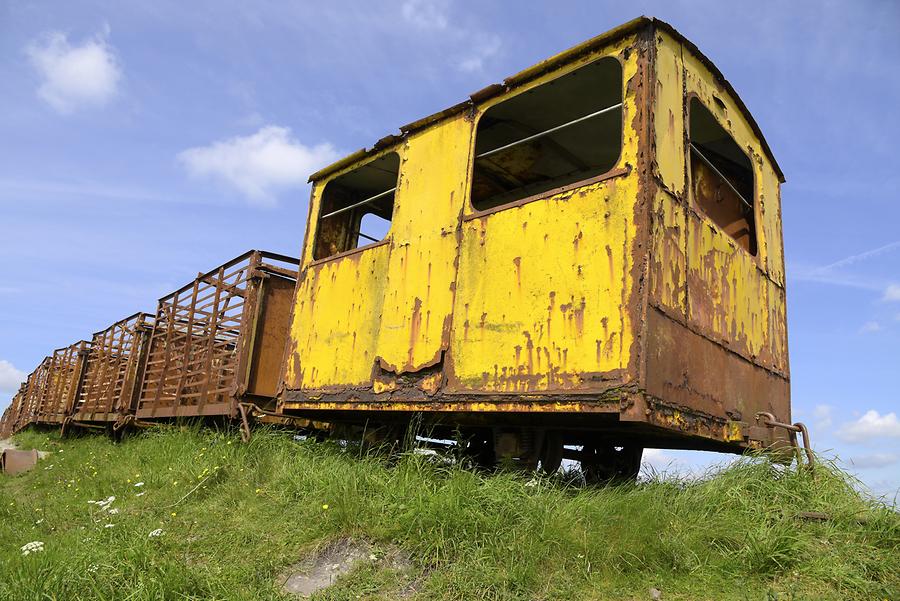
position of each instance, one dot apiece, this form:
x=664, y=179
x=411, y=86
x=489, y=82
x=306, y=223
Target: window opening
x=562, y=132
x=357, y=207
x=721, y=177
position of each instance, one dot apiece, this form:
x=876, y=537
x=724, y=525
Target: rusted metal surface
x=35, y=386
x=112, y=371
x=11, y=414
x=63, y=377
x=14, y=461
x=612, y=295
x=218, y=339
x=617, y=302
x=14, y=411
x=769, y=421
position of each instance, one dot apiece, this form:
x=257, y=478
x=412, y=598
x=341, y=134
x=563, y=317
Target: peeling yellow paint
x=543, y=287
x=733, y=431
x=699, y=272
x=551, y=295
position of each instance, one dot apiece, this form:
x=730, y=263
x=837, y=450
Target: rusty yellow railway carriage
x=583, y=260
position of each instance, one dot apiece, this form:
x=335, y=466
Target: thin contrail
x=858, y=257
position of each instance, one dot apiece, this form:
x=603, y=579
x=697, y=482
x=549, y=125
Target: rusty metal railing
x=108, y=388
x=200, y=351
x=769, y=421
x=63, y=376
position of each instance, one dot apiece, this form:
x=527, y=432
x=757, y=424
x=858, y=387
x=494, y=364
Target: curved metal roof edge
x=546, y=65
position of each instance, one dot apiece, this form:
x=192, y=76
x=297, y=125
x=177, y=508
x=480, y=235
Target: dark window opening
x=357, y=207
x=557, y=134
x=721, y=177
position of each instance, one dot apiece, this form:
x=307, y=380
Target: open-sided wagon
x=110, y=374
x=218, y=341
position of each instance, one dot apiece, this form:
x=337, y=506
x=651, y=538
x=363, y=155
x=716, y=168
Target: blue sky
x=143, y=142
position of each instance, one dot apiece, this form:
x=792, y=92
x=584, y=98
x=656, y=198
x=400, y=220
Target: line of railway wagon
x=582, y=261
x=213, y=348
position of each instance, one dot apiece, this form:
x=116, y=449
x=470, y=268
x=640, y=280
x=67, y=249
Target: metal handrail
x=719, y=173
x=548, y=131
x=359, y=204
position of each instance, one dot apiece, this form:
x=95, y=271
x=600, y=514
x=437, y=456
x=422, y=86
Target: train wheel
x=605, y=463
x=479, y=449
x=552, y=452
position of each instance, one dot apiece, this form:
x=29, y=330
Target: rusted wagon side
x=112, y=372
x=32, y=395
x=62, y=378
x=11, y=415
x=219, y=340
x=4, y=421
x=16, y=409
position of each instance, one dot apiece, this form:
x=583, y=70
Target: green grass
x=234, y=515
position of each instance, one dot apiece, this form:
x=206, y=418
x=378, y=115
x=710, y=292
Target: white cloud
x=483, y=50
x=472, y=46
x=822, y=416
x=875, y=460
x=892, y=293
x=869, y=327
x=871, y=425
x=74, y=76
x=10, y=377
x=259, y=165
x=667, y=463
x=425, y=14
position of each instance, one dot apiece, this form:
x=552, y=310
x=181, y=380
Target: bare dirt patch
x=339, y=558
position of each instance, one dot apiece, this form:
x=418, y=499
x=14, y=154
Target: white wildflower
x=93, y=568
x=140, y=494
x=138, y=484
x=32, y=547
x=109, y=526
x=104, y=504
x=40, y=521
x=156, y=533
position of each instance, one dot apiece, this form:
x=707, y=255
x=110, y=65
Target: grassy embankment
x=232, y=516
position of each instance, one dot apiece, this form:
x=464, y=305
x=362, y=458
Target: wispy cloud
x=426, y=14
x=822, y=416
x=10, y=377
x=433, y=17
x=259, y=165
x=870, y=426
x=46, y=190
x=875, y=460
x=75, y=76
x=870, y=327
x=484, y=49
x=892, y=293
